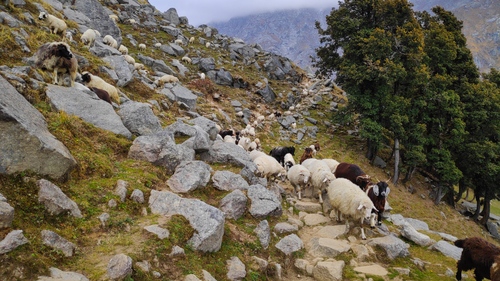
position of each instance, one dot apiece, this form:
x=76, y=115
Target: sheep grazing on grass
x=349, y=200
x=207, y=44
x=269, y=168
x=122, y=49
x=178, y=42
x=308, y=153
x=129, y=59
x=299, y=177
x=477, y=254
x=56, y=25
x=103, y=95
x=186, y=59
x=110, y=41
x=88, y=37
x=142, y=47
x=57, y=57
x=157, y=45
x=91, y=80
x=167, y=78
x=202, y=76
x=191, y=40
x=139, y=66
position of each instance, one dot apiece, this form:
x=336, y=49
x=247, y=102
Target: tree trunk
x=439, y=192
x=478, y=206
x=461, y=189
x=396, y=162
x=409, y=174
x=371, y=153
x=486, y=208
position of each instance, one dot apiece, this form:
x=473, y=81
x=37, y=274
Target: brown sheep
x=57, y=57
x=477, y=254
x=102, y=94
x=308, y=153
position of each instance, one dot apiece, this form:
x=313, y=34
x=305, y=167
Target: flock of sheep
x=56, y=57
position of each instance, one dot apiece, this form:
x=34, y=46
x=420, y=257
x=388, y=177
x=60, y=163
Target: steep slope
x=298, y=38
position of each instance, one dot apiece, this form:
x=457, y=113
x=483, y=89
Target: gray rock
x=103, y=218
x=180, y=67
x=102, y=50
x=121, y=68
x=290, y=244
x=227, y=181
x=263, y=202
x=168, y=50
x=139, y=118
x=59, y=275
x=172, y=30
x=328, y=248
x=121, y=189
x=234, y=204
x=55, y=201
x=55, y=241
x=413, y=235
x=162, y=233
x=328, y=270
x=221, y=77
x=155, y=65
x=393, y=246
x=287, y=121
x=379, y=162
x=263, y=232
x=418, y=224
x=171, y=16
x=181, y=94
x=9, y=20
x=178, y=50
x=25, y=142
x=161, y=150
x=447, y=249
x=189, y=176
x=137, y=196
x=207, y=125
x=207, y=221
x=95, y=111
x=191, y=277
x=267, y=93
x=284, y=227
x=235, y=269
x=2, y=198
x=227, y=153
x=13, y=240
x=6, y=215
x=312, y=120
x=119, y=267
x=177, y=251
x=493, y=229
x=207, y=64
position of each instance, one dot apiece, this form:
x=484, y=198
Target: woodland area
x=412, y=85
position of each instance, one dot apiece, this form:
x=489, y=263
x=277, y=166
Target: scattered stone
x=119, y=267
x=121, y=189
x=290, y=244
x=235, y=269
x=309, y=207
x=315, y=219
x=177, y=251
x=234, y=204
x=331, y=231
x=13, y=240
x=55, y=241
x=393, y=246
x=329, y=271
x=55, y=200
x=6, y=215
x=413, y=235
x=263, y=232
x=283, y=227
x=447, y=249
x=59, y=275
x=103, y=218
x=162, y=233
x=327, y=248
x=373, y=269
x=137, y=196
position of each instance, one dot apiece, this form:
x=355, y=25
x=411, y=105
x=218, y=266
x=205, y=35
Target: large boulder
x=95, y=111
x=207, y=221
x=25, y=142
x=139, y=118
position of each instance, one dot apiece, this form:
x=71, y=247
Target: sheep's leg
x=459, y=271
x=478, y=274
x=379, y=218
x=320, y=197
x=299, y=192
x=372, y=220
x=363, y=236
x=55, y=77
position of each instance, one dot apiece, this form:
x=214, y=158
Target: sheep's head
x=62, y=50
x=381, y=189
x=86, y=77
x=366, y=209
x=43, y=15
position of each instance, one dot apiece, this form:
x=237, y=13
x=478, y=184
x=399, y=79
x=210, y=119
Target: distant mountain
x=291, y=33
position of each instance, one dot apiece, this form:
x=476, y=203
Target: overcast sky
x=206, y=11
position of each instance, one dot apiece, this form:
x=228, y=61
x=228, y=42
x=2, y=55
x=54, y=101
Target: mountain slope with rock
x=148, y=189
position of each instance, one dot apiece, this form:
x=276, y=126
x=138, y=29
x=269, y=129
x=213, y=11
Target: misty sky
x=206, y=11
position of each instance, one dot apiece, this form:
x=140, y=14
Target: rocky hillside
x=144, y=188
x=291, y=33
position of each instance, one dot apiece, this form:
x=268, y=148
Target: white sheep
x=114, y=18
x=207, y=44
x=299, y=177
x=313, y=149
x=56, y=25
x=186, y=59
x=331, y=163
x=110, y=41
x=348, y=199
x=157, y=45
x=202, y=76
x=97, y=33
x=69, y=36
x=230, y=139
x=167, y=78
x=255, y=153
x=122, y=49
x=244, y=142
x=191, y=40
x=132, y=21
x=138, y=66
x=142, y=47
x=178, y=42
x=88, y=37
x=269, y=168
x=91, y=80
x=129, y=59
x=321, y=175
x=289, y=161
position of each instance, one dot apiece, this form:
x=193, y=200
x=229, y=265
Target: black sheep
x=279, y=153
x=478, y=254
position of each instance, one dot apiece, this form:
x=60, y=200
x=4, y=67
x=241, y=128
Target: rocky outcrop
x=27, y=145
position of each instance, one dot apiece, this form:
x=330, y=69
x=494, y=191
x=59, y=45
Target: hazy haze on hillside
x=204, y=12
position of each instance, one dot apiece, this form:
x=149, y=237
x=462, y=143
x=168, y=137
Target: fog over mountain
x=291, y=33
